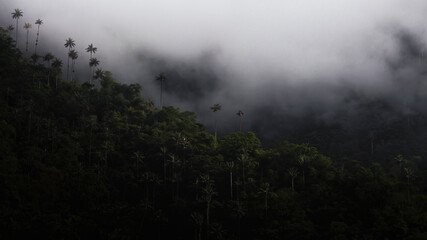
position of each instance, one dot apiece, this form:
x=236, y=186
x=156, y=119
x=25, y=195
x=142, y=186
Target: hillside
x=98, y=161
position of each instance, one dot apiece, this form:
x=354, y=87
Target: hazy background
x=286, y=64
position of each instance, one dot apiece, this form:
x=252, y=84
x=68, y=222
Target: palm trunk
x=207, y=220
x=215, y=130
x=90, y=146
x=16, y=38
x=292, y=184
x=303, y=177
x=29, y=126
x=90, y=69
x=146, y=192
x=72, y=69
x=231, y=185
x=164, y=167
x=26, y=44
x=161, y=94
x=37, y=39
x=238, y=227
x=243, y=172
x=266, y=204
x=68, y=62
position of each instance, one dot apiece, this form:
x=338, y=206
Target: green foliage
x=79, y=161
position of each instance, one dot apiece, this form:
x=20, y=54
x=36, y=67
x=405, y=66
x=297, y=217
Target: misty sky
x=286, y=55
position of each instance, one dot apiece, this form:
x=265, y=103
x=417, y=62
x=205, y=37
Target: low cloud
x=278, y=61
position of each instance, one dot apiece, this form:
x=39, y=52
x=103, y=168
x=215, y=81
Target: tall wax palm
x=215, y=108
x=99, y=74
x=208, y=193
x=38, y=22
x=198, y=220
x=16, y=15
x=265, y=190
x=27, y=27
x=164, y=150
x=47, y=58
x=94, y=62
x=230, y=166
x=161, y=77
x=243, y=158
x=240, y=114
x=73, y=54
x=91, y=49
x=57, y=64
x=10, y=28
x=69, y=43
x=302, y=161
x=293, y=172
x=35, y=58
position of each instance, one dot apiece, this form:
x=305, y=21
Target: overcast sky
x=243, y=54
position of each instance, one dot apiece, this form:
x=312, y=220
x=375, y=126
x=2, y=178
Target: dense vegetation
x=80, y=161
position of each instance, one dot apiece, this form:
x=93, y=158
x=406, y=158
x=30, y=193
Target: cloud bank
x=278, y=61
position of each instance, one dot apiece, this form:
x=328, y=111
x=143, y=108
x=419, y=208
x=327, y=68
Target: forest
x=96, y=160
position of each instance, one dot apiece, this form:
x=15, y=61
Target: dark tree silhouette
x=56, y=65
x=27, y=27
x=73, y=54
x=10, y=28
x=69, y=43
x=47, y=58
x=293, y=172
x=38, y=22
x=91, y=49
x=240, y=114
x=162, y=78
x=215, y=108
x=16, y=15
x=94, y=62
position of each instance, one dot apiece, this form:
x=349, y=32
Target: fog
x=279, y=61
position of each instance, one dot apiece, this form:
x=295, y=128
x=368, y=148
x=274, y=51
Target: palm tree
x=208, y=193
x=47, y=58
x=302, y=161
x=164, y=150
x=400, y=160
x=73, y=54
x=239, y=211
x=265, y=189
x=16, y=15
x=215, y=108
x=10, y=28
x=99, y=74
x=218, y=230
x=94, y=62
x=293, y=172
x=198, y=220
x=69, y=43
x=139, y=159
x=27, y=27
x=57, y=64
x=240, y=114
x=91, y=49
x=230, y=166
x=35, y=58
x=161, y=77
x=408, y=174
x=38, y=22
x=243, y=158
